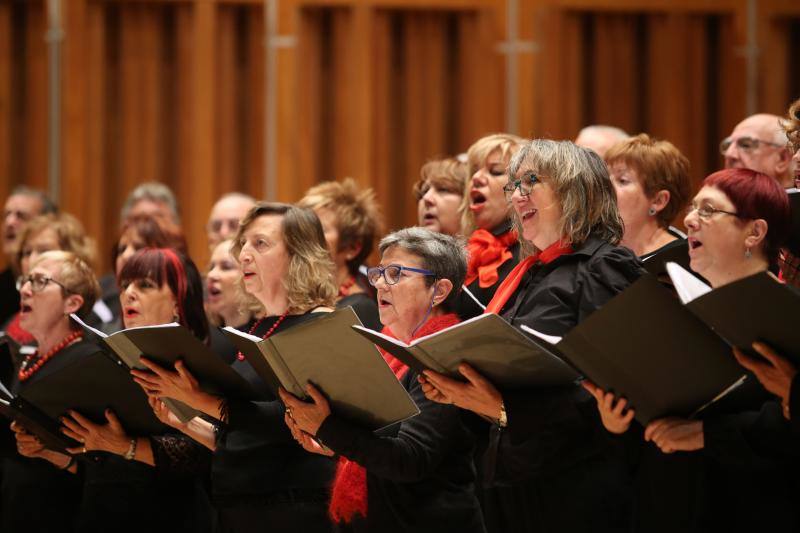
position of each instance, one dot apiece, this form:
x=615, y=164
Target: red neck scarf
x=15, y=331
x=509, y=285
x=486, y=253
x=349, y=495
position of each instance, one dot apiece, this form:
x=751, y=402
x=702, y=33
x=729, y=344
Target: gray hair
x=237, y=195
x=155, y=192
x=581, y=183
x=442, y=254
x=48, y=206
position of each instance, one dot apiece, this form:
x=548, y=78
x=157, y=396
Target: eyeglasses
x=217, y=224
x=392, y=273
x=746, y=144
x=525, y=185
x=707, y=211
x=38, y=282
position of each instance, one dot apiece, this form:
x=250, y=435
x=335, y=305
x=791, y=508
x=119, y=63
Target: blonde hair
x=448, y=174
x=477, y=154
x=76, y=276
x=310, y=278
x=246, y=302
x=660, y=166
x=579, y=178
x=69, y=232
x=358, y=219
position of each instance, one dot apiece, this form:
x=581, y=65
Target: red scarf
x=15, y=331
x=486, y=253
x=509, y=285
x=349, y=496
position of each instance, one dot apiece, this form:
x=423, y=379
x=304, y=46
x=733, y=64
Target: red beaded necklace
x=25, y=373
x=240, y=355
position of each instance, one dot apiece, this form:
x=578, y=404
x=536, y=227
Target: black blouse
x=552, y=466
x=365, y=307
x=420, y=475
x=256, y=456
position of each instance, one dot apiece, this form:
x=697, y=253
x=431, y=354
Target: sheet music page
x=686, y=284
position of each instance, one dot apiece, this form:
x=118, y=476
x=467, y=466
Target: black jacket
x=551, y=468
x=420, y=475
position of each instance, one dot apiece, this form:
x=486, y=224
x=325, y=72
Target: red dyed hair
x=756, y=195
x=165, y=265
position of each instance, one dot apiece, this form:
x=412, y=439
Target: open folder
x=89, y=385
x=495, y=348
x=164, y=345
x=343, y=365
x=647, y=346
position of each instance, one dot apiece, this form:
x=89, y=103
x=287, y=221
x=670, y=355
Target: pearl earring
x=651, y=211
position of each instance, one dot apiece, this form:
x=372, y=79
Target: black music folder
x=495, y=348
x=89, y=385
x=343, y=365
x=166, y=344
x=647, y=346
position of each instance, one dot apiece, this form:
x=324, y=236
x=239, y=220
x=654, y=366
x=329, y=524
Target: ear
x=784, y=161
x=660, y=200
x=441, y=290
x=352, y=250
x=757, y=233
x=72, y=303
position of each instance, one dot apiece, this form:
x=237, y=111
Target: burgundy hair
x=165, y=265
x=756, y=195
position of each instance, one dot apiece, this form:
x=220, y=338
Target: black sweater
x=420, y=475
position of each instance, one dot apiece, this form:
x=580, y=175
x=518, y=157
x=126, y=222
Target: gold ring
x=83, y=450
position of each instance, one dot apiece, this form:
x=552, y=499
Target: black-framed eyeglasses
x=525, y=185
x=746, y=144
x=39, y=282
x=392, y=273
x=707, y=211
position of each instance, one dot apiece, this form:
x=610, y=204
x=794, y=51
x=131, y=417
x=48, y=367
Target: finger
x=183, y=372
x=113, y=421
x=156, y=369
x=473, y=376
x=772, y=356
x=748, y=362
x=289, y=399
x=652, y=427
x=608, y=402
x=620, y=407
x=147, y=385
x=628, y=418
x=440, y=382
x=316, y=395
x=593, y=389
x=82, y=420
x=72, y=434
x=77, y=450
x=73, y=425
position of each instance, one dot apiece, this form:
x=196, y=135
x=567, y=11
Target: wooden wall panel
x=175, y=90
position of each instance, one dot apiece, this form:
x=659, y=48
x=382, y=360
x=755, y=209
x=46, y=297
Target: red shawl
x=349, y=496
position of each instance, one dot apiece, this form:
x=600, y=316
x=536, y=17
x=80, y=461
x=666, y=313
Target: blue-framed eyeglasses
x=392, y=273
x=525, y=185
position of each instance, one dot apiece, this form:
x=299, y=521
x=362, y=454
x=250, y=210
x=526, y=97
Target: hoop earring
x=651, y=211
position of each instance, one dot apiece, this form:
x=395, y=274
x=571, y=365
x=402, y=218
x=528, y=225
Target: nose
x=26, y=291
x=691, y=220
x=213, y=274
x=245, y=256
x=428, y=197
x=479, y=178
x=129, y=294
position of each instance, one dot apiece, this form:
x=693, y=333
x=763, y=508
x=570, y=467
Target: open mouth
x=429, y=218
x=528, y=214
x=248, y=275
x=694, y=243
x=25, y=308
x=383, y=302
x=131, y=313
x=213, y=290
x=476, y=199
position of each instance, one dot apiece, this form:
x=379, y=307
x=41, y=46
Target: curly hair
x=310, y=280
x=791, y=125
x=69, y=232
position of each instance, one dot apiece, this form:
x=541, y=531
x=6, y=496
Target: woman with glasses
x=651, y=180
x=260, y=478
x=492, y=247
x=546, y=465
x=416, y=475
x=56, y=284
x=47, y=233
x=715, y=473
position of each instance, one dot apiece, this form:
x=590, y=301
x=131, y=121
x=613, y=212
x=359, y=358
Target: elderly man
x=151, y=199
x=600, y=138
x=22, y=205
x=759, y=143
x=225, y=216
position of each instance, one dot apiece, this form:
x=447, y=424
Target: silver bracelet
x=131, y=453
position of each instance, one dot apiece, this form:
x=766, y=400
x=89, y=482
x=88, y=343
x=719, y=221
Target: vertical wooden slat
x=228, y=155
x=309, y=94
x=360, y=95
x=383, y=104
x=149, y=57
x=35, y=95
x=131, y=120
x=614, y=89
x=6, y=58
x=253, y=113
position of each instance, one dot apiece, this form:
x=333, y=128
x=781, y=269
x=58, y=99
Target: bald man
x=223, y=222
x=759, y=143
x=600, y=138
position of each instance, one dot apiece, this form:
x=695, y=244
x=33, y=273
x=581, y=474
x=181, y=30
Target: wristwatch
x=502, y=420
